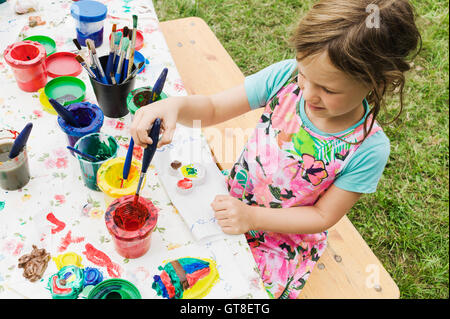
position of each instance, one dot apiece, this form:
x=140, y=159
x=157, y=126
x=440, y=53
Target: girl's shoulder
x=263, y=85
x=364, y=169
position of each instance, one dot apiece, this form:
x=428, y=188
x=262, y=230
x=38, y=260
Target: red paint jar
x=27, y=61
x=131, y=225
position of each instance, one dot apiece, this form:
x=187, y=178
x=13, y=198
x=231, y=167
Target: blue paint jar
x=89, y=17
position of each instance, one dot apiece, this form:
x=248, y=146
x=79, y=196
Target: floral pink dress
x=285, y=164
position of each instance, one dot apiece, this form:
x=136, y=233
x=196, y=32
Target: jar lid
x=88, y=11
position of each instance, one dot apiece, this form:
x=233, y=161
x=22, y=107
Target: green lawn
x=406, y=221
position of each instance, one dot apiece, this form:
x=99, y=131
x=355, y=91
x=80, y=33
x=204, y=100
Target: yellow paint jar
x=109, y=179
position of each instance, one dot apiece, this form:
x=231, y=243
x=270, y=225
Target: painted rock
x=66, y=283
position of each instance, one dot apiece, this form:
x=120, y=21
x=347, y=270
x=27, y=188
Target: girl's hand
x=233, y=216
x=167, y=110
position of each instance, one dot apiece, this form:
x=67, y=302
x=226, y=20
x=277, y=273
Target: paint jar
x=89, y=18
x=140, y=97
x=14, y=173
x=100, y=145
x=112, y=98
x=131, y=225
x=109, y=179
x=27, y=61
x=88, y=115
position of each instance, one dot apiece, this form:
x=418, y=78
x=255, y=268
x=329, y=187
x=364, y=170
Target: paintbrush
x=113, y=80
x=117, y=38
x=81, y=52
x=127, y=164
x=125, y=63
x=133, y=44
x=20, y=141
x=84, y=155
x=123, y=50
x=148, y=155
x=134, y=71
x=80, y=59
x=119, y=49
x=90, y=44
x=65, y=114
x=159, y=84
x=110, y=63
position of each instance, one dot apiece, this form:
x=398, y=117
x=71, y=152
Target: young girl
x=317, y=147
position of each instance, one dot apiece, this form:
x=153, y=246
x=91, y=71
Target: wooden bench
x=348, y=268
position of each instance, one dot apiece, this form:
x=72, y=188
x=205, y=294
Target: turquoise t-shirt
x=364, y=169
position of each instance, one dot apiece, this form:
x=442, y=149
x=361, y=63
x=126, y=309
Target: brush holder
x=112, y=98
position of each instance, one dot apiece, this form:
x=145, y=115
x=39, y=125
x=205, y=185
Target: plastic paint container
x=103, y=147
x=89, y=115
x=89, y=18
x=114, y=289
x=139, y=39
x=130, y=225
x=112, y=98
x=140, y=97
x=27, y=61
x=48, y=43
x=109, y=179
x=14, y=173
x=138, y=58
x=65, y=90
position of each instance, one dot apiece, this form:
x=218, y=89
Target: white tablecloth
x=56, y=189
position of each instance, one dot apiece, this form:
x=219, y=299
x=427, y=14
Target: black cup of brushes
x=112, y=98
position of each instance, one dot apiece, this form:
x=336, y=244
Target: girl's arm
x=235, y=217
x=209, y=109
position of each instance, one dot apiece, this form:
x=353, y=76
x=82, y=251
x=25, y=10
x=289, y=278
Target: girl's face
x=328, y=92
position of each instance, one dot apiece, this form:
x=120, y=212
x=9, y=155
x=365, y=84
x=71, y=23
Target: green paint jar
x=100, y=145
x=140, y=97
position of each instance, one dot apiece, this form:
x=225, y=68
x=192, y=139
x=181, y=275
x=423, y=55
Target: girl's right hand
x=167, y=110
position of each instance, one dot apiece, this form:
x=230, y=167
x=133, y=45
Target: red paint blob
x=184, y=183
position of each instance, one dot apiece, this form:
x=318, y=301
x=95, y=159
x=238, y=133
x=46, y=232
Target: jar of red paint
x=131, y=224
x=27, y=61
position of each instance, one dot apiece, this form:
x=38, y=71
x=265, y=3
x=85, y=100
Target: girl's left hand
x=233, y=216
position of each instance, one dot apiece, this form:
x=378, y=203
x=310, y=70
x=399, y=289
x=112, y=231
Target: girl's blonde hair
x=368, y=39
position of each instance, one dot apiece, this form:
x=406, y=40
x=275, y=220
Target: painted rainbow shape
x=186, y=278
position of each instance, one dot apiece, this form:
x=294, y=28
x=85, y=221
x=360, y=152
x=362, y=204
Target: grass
x=406, y=221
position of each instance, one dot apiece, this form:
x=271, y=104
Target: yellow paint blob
x=67, y=259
